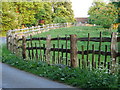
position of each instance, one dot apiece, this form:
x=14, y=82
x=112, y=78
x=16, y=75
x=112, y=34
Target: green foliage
x=59, y=20
x=16, y=14
x=103, y=14
x=81, y=78
x=45, y=13
x=10, y=19
x=48, y=12
x=26, y=11
x=62, y=10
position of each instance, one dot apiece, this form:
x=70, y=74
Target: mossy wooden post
x=23, y=47
x=114, y=50
x=48, y=47
x=73, y=50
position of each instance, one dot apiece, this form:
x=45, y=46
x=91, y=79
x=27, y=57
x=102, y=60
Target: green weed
x=81, y=78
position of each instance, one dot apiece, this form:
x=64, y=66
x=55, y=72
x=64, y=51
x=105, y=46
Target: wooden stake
x=58, y=49
x=23, y=47
x=66, y=49
x=48, y=47
x=83, y=60
x=31, y=46
x=114, y=50
x=93, y=56
x=99, y=49
x=29, y=51
x=73, y=50
x=44, y=51
x=36, y=52
x=54, y=54
x=40, y=55
x=105, y=56
x=88, y=47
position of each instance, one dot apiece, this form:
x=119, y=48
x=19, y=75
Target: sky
x=81, y=7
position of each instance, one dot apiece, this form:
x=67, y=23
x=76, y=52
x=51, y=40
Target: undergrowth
x=81, y=78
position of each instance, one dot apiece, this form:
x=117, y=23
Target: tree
x=102, y=14
x=15, y=14
x=10, y=19
x=26, y=11
x=48, y=12
x=39, y=12
x=117, y=5
x=62, y=12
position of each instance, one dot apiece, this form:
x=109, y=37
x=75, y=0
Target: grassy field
x=80, y=31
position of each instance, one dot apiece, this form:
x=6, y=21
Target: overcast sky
x=81, y=7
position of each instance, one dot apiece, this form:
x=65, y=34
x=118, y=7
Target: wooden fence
x=67, y=53
x=37, y=29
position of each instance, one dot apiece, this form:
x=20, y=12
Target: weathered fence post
x=23, y=47
x=48, y=47
x=16, y=45
x=73, y=50
x=9, y=41
x=99, y=55
x=114, y=50
x=13, y=43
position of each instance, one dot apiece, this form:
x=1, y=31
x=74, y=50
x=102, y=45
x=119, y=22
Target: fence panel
x=62, y=54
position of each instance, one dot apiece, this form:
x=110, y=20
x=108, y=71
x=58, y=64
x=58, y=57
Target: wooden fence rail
x=36, y=29
x=94, y=39
x=86, y=57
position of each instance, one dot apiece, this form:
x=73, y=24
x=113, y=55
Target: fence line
x=37, y=29
x=55, y=54
x=94, y=39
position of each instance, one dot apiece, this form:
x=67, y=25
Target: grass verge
x=80, y=78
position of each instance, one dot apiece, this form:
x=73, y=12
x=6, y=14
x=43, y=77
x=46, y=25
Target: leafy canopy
x=16, y=14
x=103, y=14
